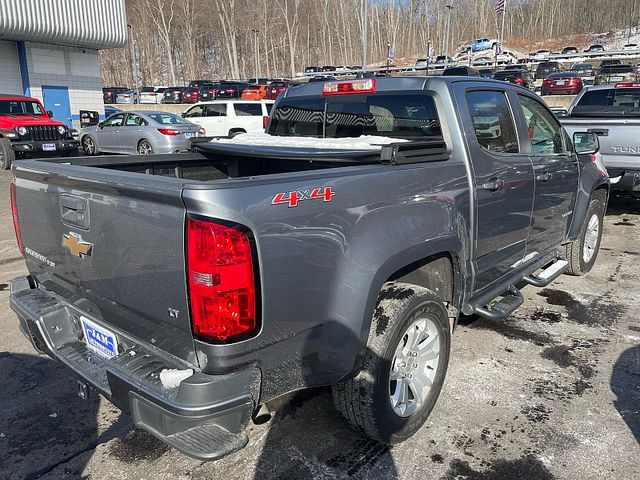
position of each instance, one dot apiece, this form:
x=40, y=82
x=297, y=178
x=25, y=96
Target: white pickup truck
x=613, y=113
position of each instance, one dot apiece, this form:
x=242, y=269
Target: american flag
x=500, y=6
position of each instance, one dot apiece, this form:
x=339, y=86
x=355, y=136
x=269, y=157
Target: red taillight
x=365, y=85
x=202, y=132
x=222, y=289
x=575, y=81
x=265, y=120
x=519, y=81
x=627, y=85
x=172, y=132
x=14, y=214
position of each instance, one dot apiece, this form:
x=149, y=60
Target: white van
x=226, y=118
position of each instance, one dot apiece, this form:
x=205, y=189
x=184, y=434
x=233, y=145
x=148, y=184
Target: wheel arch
x=429, y=265
x=600, y=188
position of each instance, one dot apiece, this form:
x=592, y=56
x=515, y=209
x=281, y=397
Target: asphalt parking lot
x=552, y=393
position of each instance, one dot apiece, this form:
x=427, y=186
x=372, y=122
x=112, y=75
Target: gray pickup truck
x=613, y=113
x=198, y=291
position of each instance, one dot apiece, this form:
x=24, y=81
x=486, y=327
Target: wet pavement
x=551, y=393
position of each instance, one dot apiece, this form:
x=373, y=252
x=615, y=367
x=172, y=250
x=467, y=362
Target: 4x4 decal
x=292, y=199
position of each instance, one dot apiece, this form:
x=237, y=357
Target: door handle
x=493, y=185
x=601, y=132
x=544, y=177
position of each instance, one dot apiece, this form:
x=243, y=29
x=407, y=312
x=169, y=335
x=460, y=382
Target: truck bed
x=209, y=161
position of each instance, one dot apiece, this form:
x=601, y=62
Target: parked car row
x=199, y=91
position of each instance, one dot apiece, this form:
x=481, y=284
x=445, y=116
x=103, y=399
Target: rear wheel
x=144, y=147
x=89, y=145
x=7, y=155
x=404, y=365
x=583, y=251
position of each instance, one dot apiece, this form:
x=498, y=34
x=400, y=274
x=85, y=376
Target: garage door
x=10, y=81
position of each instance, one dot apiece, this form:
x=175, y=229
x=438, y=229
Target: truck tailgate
x=619, y=142
x=111, y=244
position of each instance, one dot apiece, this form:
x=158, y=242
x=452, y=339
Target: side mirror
x=100, y=125
x=586, y=143
x=50, y=113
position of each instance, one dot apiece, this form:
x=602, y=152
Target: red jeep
x=26, y=129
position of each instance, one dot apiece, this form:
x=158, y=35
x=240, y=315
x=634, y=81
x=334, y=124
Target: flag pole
x=504, y=11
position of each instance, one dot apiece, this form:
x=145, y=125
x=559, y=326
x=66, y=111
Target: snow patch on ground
x=364, y=142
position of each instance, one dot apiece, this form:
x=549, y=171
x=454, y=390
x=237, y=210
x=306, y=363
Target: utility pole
x=365, y=33
x=255, y=52
x=449, y=7
x=134, y=65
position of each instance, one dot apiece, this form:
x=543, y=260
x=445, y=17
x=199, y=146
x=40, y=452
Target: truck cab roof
x=390, y=84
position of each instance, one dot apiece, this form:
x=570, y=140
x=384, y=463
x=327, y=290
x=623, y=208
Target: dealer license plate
x=49, y=147
x=616, y=79
x=559, y=82
x=99, y=339
x=188, y=134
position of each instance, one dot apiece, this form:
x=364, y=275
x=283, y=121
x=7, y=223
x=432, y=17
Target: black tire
x=145, y=147
x=365, y=399
x=7, y=155
x=89, y=146
x=578, y=265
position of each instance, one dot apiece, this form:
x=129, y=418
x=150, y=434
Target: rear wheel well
x=435, y=272
x=601, y=192
x=235, y=131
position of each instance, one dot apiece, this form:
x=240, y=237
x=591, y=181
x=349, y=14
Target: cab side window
x=545, y=131
x=492, y=121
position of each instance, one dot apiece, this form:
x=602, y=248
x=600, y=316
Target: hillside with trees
x=179, y=40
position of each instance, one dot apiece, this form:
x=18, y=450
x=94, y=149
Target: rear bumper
x=627, y=179
x=34, y=146
x=203, y=417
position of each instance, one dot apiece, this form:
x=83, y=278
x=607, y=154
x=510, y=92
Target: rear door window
x=492, y=121
x=248, y=109
x=216, y=110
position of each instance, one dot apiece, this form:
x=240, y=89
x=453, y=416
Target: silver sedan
x=141, y=132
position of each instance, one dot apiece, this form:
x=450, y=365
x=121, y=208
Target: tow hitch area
x=83, y=390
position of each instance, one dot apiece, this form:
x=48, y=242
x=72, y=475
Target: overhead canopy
x=94, y=24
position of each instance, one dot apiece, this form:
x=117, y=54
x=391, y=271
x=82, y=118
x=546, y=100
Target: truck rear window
x=389, y=115
x=610, y=102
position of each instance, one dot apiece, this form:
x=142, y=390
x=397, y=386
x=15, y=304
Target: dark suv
x=545, y=69
x=227, y=89
x=517, y=77
x=109, y=94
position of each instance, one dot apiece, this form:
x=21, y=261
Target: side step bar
x=512, y=298
x=548, y=275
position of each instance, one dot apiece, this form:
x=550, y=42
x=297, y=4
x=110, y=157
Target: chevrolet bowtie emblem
x=76, y=246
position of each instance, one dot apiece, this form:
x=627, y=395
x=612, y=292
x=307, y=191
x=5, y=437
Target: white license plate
x=616, y=79
x=188, y=134
x=49, y=147
x=99, y=339
x=559, y=82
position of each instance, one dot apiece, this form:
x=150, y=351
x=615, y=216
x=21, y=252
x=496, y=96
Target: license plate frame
x=189, y=134
x=48, y=147
x=616, y=79
x=98, y=339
